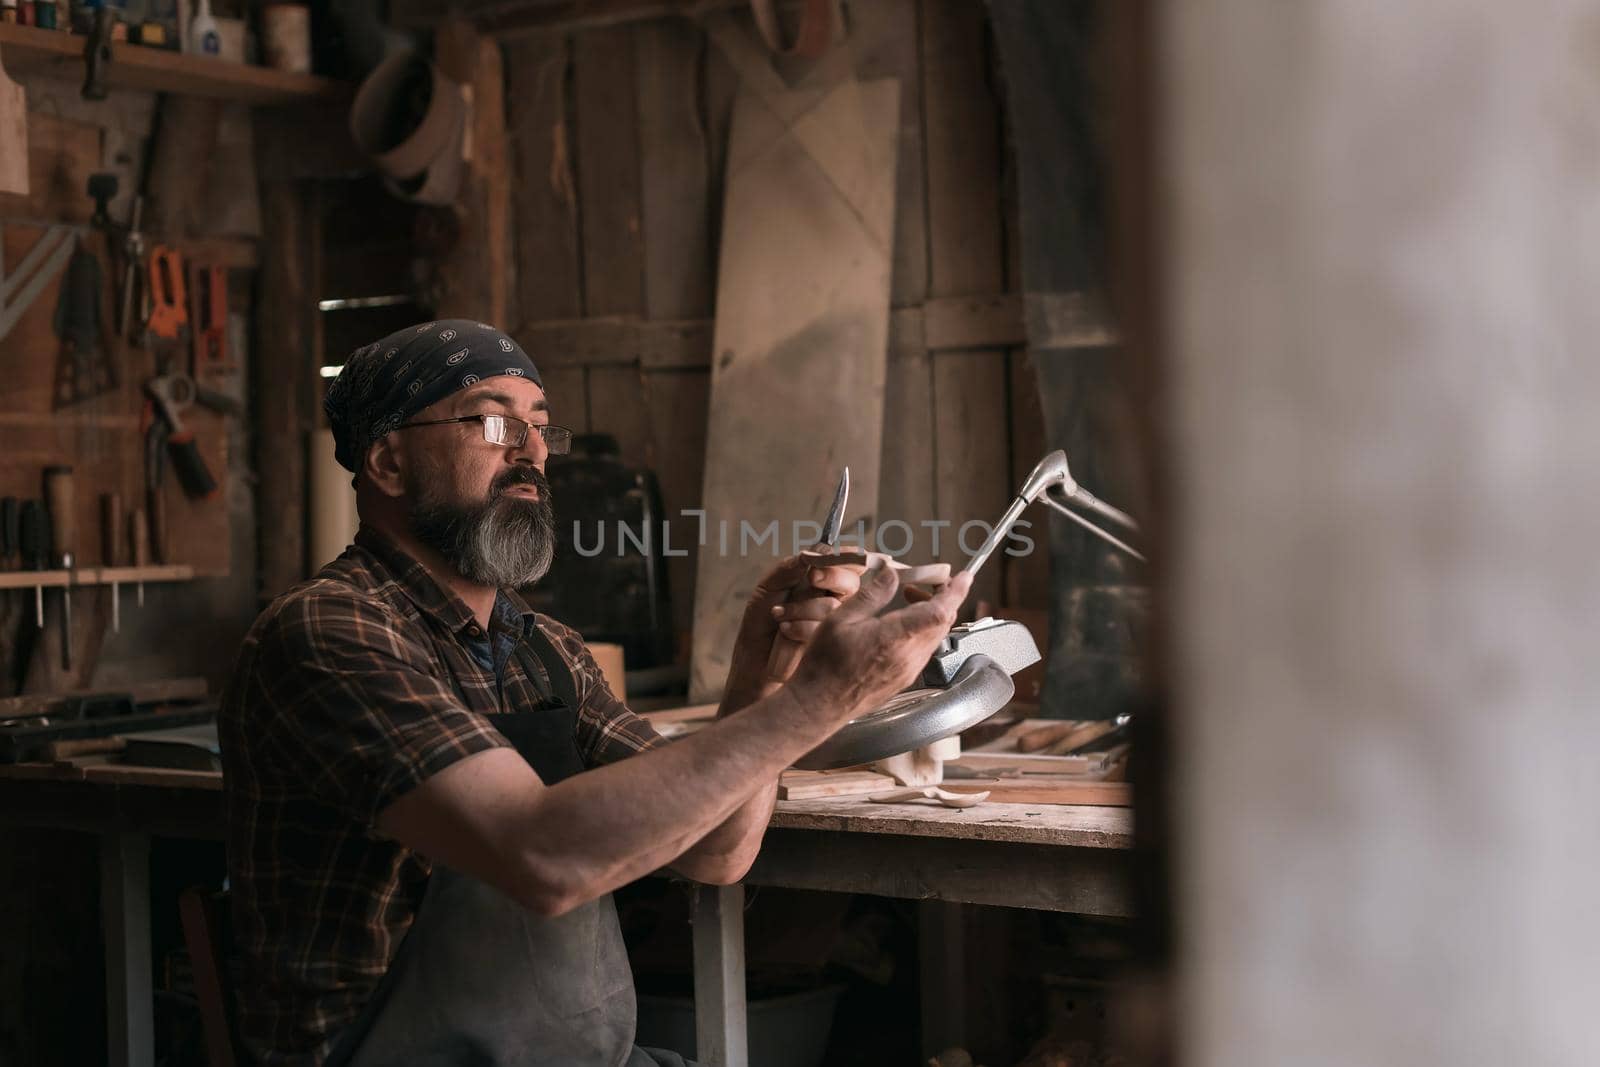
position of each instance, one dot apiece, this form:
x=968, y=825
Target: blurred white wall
x=1384, y=317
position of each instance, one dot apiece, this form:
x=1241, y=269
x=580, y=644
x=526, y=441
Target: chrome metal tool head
x=1052, y=479
x=835, y=519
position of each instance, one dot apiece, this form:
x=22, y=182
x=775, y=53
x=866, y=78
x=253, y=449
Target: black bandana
x=389, y=381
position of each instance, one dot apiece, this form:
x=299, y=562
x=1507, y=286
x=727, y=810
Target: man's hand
x=858, y=659
x=777, y=606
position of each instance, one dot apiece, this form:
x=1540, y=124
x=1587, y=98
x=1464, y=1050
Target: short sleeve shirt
x=350, y=690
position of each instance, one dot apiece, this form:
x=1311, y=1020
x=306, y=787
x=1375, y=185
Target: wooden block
x=1085, y=733
x=802, y=314
x=1042, y=737
x=1034, y=790
x=809, y=785
x=609, y=658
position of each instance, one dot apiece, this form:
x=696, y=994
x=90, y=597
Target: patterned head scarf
x=389, y=381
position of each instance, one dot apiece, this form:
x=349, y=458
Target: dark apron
x=480, y=980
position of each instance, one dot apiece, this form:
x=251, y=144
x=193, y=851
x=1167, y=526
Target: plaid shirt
x=351, y=689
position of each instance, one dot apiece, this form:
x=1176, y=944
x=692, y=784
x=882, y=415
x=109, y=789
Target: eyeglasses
x=510, y=432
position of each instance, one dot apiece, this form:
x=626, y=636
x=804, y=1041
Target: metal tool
x=110, y=549
x=208, y=314
x=968, y=678
x=83, y=366
x=171, y=394
x=139, y=545
x=786, y=653
x=59, y=496
x=1053, y=480
x=169, y=313
x=33, y=539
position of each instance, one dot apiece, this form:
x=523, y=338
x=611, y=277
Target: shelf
x=30, y=50
x=172, y=572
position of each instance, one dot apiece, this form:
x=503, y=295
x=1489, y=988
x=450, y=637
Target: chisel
x=110, y=534
x=58, y=492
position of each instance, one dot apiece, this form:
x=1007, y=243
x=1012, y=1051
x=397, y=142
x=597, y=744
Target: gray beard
x=503, y=543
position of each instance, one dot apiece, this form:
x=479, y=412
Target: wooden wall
x=616, y=144
x=101, y=437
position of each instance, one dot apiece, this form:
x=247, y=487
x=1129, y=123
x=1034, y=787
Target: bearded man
x=432, y=791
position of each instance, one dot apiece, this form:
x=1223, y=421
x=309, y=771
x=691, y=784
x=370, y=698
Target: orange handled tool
x=168, y=304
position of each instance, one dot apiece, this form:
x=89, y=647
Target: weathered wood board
x=801, y=333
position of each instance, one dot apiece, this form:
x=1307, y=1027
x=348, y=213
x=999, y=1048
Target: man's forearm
x=725, y=854
x=596, y=831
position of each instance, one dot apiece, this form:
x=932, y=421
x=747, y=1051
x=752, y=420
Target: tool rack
x=89, y=576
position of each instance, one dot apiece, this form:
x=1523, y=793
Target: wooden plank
x=544, y=197
x=1054, y=825
x=809, y=785
x=965, y=259
x=618, y=341
x=1025, y=579
x=963, y=152
x=883, y=35
x=509, y=19
x=678, y=404
x=1037, y=789
x=50, y=53
x=718, y=89
x=183, y=166
x=617, y=406
x=608, y=172
x=675, y=207
x=282, y=384
x=1083, y=881
x=121, y=774
x=906, y=492
x=802, y=314
x=568, y=391
x=972, y=464
x=475, y=274
x=983, y=322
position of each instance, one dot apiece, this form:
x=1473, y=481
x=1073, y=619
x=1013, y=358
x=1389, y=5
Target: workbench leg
x=942, y=949
x=125, y=918
x=719, y=1008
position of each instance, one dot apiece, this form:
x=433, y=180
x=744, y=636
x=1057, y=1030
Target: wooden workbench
x=1014, y=855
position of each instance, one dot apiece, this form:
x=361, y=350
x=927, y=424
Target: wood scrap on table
x=1042, y=790
x=809, y=785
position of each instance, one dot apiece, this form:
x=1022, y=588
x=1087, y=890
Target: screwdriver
x=110, y=532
